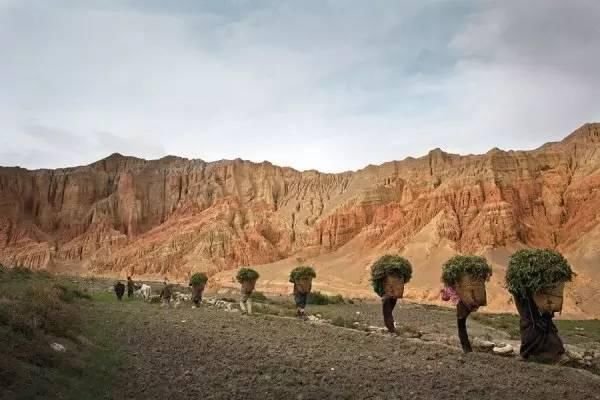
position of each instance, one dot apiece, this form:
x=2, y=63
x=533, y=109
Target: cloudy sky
x=331, y=85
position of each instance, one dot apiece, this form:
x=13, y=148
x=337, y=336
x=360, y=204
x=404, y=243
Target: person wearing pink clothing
x=462, y=312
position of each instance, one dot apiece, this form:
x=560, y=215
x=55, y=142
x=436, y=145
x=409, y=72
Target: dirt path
x=211, y=354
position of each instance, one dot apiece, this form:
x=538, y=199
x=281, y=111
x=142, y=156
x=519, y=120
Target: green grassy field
x=37, y=310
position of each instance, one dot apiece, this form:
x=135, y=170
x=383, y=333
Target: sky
x=313, y=84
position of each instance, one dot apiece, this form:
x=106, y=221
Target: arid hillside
x=170, y=217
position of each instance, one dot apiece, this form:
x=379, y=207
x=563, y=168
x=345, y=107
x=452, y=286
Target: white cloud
x=326, y=85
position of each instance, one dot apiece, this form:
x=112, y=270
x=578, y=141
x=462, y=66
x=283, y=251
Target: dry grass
x=37, y=310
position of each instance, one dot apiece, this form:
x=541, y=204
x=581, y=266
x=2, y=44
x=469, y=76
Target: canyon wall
x=173, y=216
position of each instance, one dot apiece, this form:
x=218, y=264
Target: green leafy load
x=531, y=270
x=246, y=275
x=198, y=279
x=302, y=272
x=458, y=266
x=389, y=265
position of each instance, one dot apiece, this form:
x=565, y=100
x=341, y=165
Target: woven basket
x=248, y=286
x=304, y=285
x=393, y=286
x=472, y=291
x=550, y=299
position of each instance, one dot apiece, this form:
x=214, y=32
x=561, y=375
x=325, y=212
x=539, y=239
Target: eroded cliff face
x=174, y=216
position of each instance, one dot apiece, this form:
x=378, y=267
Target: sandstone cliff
x=173, y=216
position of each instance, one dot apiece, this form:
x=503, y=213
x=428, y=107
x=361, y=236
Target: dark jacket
x=539, y=335
x=166, y=292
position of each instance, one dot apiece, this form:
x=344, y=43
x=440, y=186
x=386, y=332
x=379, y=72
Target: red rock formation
x=173, y=216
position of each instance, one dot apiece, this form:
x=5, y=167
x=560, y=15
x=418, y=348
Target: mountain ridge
x=579, y=132
x=173, y=216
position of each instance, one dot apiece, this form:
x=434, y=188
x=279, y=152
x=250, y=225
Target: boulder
x=506, y=350
x=484, y=345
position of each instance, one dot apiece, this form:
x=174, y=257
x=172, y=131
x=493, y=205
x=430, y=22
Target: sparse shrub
x=69, y=294
x=336, y=299
x=198, y=279
x=272, y=309
x=11, y=316
x=458, y=266
x=302, y=272
x=318, y=298
x=259, y=296
x=42, y=307
x=48, y=309
x=389, y=265
x=531, y=270
x=246, y=274
x=79, y=294
x=339, y=321
x=21, y=272
x=43, y=274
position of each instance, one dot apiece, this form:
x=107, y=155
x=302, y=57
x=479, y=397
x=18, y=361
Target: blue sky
x=330, y=85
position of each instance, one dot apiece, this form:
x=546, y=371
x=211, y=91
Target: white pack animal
x=145, y=291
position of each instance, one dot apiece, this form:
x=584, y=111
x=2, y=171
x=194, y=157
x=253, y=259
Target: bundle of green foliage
x=386, y=266
x=246, y=274
x=458, y=266
x=19, y=271
x=531, y=270
x=302, y=272
x=198, y=279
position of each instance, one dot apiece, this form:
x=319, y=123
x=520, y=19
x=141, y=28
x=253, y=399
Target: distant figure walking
x=130, y=287
x=247, y=278
x=166, y=293
x=448, y=293
x=300, y=298
x=198, y=282
x=119, y=290
x=197, y=295
x=464, y=278
x=302, y=278
x=536, y=278
x=389, y=274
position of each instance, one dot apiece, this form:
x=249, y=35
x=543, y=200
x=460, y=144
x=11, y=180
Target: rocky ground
x=184, y=353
